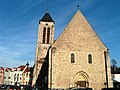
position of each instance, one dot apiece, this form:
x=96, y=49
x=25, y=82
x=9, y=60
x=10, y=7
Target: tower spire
x=47, y=18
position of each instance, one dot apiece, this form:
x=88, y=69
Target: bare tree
x=114, y=65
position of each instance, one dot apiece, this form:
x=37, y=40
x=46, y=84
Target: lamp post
x=27, y=73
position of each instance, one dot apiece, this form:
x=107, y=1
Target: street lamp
x=27, y=64
x=27, y=72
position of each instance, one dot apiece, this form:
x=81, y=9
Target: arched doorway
x=81, y=79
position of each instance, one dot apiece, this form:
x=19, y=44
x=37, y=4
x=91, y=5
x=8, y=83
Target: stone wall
x=80, y=39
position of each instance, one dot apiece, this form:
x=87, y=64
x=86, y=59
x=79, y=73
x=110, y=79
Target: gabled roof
x=8, y=69
x=77, y=34
x=27, y=70
x=1, y=68
x=22, y=67
x=47, y=18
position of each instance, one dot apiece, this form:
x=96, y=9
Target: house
x=20, y=75
x=1, y=75
x=116, y=79
x=7, y=77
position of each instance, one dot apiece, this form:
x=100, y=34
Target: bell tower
x=45, y=40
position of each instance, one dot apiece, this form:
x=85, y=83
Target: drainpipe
x=105, y=55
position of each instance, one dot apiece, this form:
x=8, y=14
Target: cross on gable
x=78, y=5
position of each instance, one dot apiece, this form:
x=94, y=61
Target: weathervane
x=47, y=6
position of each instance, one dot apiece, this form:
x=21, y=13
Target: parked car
x=79, y=88
x=14, y=87
x=69, y=88
x=111, y=89
x=3, y=87
x=58, y=89
x=28, y=87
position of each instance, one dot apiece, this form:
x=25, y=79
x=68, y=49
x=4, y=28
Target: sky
x=19, y=21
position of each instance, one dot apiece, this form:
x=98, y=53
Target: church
x=78, y=58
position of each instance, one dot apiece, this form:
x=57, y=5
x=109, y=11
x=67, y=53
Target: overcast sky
x=19, y=24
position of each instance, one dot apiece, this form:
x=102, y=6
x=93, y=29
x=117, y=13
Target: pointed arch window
x=44, y=35
x=90, y=58
x=72, y=58
x=48, y=35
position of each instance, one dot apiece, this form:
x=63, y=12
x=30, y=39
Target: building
x=1, y=75
x=78, y=58
x=20, y=75
x=16, y=75
x=116, y=78
x=7, y=77
x=26, y=78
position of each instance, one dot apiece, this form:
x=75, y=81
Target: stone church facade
x=78, y=58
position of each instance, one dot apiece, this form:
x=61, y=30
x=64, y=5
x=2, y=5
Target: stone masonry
x=78, y=38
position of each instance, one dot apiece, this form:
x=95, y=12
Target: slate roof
x=47, y=18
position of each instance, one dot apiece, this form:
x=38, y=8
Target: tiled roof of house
x=27, y=70
x=22, y=67
x=8, y=69
x=1, y=68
